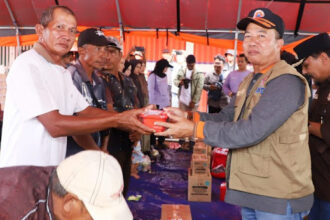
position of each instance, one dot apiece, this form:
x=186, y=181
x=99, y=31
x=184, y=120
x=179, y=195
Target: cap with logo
x=96, y=179
x=230, y=51
x=264, y=18
x=113, y=42
x=316, y=44
x=92, y=36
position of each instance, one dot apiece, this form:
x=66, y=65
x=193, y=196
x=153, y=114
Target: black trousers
x=161, y=140
x=125, y=160
x=120, y=147
x=214, y=110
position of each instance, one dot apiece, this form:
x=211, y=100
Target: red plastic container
x=223, y=188
x=218, y=164
x=151, y=116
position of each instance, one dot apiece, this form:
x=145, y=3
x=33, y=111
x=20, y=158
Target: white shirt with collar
x=36, y=86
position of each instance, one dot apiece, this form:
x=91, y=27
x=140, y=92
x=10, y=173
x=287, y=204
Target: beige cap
x=97, y=180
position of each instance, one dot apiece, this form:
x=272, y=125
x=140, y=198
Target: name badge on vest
x=329, y=97
x=260, y=90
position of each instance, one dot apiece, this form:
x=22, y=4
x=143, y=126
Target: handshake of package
x=149, y=118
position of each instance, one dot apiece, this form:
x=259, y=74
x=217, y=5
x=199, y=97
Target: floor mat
x=168, y=184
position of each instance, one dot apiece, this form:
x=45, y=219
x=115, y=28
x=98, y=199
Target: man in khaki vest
x=265, y=127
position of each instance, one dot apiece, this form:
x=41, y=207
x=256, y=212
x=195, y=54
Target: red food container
x=223, y=189
x=218, y=164
x=151, y=116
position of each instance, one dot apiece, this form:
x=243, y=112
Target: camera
x=139, y=48
x=218, y=84
x=186, y=83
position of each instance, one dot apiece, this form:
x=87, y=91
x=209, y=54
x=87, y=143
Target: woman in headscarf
x=158, y=92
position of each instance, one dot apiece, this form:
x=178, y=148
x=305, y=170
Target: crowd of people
x=57, y=107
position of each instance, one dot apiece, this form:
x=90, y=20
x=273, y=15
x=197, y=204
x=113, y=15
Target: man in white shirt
x=41, y=100
x=190, y=83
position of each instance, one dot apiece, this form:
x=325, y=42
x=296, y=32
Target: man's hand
x=179, y=128
x=129, y=121
x=192, y=105
x=314, y=128
x=135, y=136
x=176, y=112
x=213, y=87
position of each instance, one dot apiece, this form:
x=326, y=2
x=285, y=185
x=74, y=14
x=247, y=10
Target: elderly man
x=229, y=64
x=92, y=49
x=213, y=83
x=316, y=55
x=41, y=99
x=87, y=186
x=265, y=127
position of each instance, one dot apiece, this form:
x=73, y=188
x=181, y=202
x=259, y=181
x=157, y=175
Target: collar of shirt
x=96, y=79
x=214, y=73
x=267, y=69
x=43, y=52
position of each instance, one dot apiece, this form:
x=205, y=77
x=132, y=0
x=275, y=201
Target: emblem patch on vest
x=260, y=90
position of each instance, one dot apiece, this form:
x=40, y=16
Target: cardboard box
x=176, y=212
x=200, y=164
x=209, y=150
x=199, y=187
x=200, y=148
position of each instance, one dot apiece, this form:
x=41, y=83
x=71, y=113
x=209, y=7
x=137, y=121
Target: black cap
x=264, y=18
x=191, y=59
x=113, y=42
x=92, y=36
x=163, y=63
x=313, y=45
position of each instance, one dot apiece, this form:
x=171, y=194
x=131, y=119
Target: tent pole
x=18, y=51
x=237, y=32
x=300, y=14
x=178, y=17
x=120, y=24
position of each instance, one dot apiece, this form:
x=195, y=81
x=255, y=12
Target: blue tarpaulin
x=168, y=184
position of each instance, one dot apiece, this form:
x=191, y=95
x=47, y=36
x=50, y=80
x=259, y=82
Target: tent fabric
x=204, y=53
x=197, y=14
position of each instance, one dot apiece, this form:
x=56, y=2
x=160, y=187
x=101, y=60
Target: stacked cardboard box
x=176, y=212
x=199, y=177
x=199, y=187
x=200, y=164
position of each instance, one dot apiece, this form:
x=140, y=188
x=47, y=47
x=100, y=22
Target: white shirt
x=34, y=87
x=185, y=94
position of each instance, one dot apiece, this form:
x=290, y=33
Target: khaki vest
x=280, y=165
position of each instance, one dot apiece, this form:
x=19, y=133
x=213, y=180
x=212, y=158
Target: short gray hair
x=56, y=185
x=47, y=15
